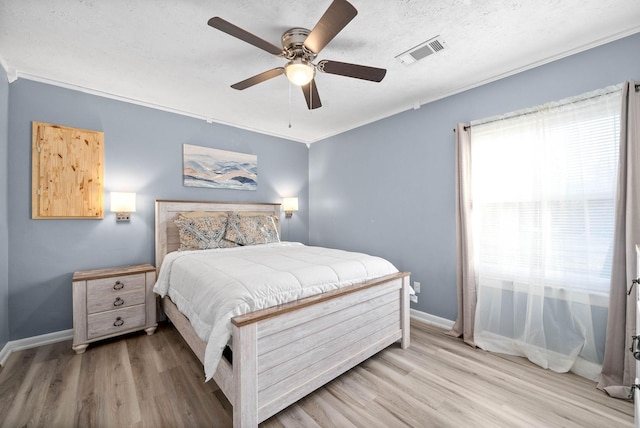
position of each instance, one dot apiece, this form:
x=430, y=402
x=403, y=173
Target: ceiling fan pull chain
x=289, y=107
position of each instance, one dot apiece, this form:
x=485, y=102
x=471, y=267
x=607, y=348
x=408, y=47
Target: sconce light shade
x=122, y=204
x=290, y=205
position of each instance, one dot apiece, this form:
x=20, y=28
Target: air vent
x=422, y=51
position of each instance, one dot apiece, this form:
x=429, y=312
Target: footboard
x=287, y=352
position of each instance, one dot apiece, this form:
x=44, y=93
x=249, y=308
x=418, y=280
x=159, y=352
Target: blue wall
x=388, y=188
x=143, y=153
x=4, y=222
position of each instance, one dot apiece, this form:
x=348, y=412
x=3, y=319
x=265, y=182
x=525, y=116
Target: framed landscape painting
x=220, y=169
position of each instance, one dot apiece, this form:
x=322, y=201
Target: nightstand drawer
x=115, y=301
x=111, y=322
x=109, y=288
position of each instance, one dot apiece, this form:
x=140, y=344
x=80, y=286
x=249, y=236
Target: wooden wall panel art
x=67, y=172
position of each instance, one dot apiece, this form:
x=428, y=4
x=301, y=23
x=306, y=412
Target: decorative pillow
x=251, y=229
x=201, y=233
x=251, y=214
x=275, y=218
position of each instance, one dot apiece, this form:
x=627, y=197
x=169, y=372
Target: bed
x=316, y=338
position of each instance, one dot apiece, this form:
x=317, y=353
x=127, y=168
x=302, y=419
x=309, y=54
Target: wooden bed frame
x=283, y=353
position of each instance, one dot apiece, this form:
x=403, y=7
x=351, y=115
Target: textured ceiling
x=163, y=53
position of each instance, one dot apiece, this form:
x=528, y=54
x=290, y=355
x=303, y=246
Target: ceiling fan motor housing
x=293, y=44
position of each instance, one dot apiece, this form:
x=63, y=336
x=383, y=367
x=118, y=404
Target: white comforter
x=212, y=286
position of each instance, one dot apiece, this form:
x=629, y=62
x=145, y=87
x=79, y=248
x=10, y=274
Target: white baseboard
x=431, y=319
x=33, y=342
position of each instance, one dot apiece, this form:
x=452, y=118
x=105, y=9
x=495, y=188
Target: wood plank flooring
x=155, y=381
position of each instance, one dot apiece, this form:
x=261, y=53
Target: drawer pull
x=632, y=391
x=118, y=322
x=118, y=285
x=118, y=302
x=634, y=347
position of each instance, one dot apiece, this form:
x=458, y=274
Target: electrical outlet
x=416, y=286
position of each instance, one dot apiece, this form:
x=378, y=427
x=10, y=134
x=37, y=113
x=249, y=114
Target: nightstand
x=112, y=301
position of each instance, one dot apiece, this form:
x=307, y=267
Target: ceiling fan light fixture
x=299, y=72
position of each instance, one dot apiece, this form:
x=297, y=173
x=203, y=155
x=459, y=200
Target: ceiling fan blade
x=352, y=70
x=258, y=78
x=337, y=16
x=237, y=32
x=310, y=91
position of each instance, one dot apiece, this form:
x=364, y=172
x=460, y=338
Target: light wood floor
x=155, y=381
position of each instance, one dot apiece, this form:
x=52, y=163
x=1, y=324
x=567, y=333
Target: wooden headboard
x=167, y=238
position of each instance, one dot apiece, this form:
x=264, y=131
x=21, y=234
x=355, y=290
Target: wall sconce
x=123, y=204
x=290, y=205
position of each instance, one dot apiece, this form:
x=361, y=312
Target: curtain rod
x=466, y=127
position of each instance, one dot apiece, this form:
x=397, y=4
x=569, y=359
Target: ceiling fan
x=300, y=48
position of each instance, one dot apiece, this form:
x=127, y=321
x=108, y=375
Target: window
x=543, y=194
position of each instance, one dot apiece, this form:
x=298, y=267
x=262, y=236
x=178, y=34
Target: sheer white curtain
x=543, y=200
